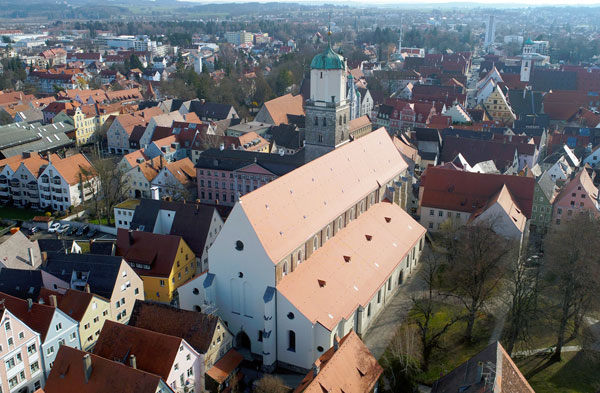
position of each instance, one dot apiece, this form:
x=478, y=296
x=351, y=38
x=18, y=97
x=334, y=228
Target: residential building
x=120, y=130
x=22, y=357
x=280, y=110
x=490, y=368
x=578, y=194
x=19, y=178
x=66, y=183
x=88, y=119
x=55, y=327
x=348, y=366
x=124, y=213
x=223, y=176
x=176, y=180
x=239, y=37
x=543, y=197
x=460, y=197
x=197, y=224
x=83, y=372
x=107, y=276
x=208, y=111
x=139, y=178
x=160, y=120
x=164, y=262
x=20, y=253
x=498, y=107
x=206, y=334
x=288, y=242
x=88, y=309
x=170, y=357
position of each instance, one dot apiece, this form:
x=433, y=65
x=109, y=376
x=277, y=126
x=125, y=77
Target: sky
x=423, y=2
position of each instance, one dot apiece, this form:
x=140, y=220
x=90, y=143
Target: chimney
x=29, y=304
x=87, y=288
x=132, y=361
x=130, y=233
x=87, y=367
x=44, y=258
x=336, y=343
x=222, y=146
x=31, y=259
x=53, y=301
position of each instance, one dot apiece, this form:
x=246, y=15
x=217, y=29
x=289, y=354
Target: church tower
x=526, y=61
x=327, y=110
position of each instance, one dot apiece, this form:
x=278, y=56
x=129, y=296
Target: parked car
x=63, y=228
x=82, y=229
x=71, y=231
x=33, y=230
x=54, y=227
x=92, y=233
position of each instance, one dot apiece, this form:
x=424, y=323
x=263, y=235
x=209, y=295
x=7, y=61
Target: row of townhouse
x=177, y=350
x=47, y=182
x=88, y=120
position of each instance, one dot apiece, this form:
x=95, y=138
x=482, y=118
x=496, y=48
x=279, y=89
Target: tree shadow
x=540, y=363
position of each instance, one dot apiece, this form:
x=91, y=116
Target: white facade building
x=313, y=254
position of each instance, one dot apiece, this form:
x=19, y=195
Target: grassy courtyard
x=576, y=373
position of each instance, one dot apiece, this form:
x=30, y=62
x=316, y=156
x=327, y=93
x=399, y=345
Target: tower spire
x=400, y=38
x=329, y=30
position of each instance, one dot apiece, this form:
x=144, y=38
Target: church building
x=317, y=252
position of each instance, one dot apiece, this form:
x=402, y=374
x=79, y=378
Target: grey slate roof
x=102, y=270
x=211, y=110
x=32, y=115
x=231, y=160
x=24, y=284
x=546, y=80
x=19, y=137
x=55, y=245
x=529, y=103
x=14, y=252
x=191, y=222
x=286, y=135
x=547, y=186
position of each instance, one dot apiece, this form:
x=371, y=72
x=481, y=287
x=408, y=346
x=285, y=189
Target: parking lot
x=41, y=234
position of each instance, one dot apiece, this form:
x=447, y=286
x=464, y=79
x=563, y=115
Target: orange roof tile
x=225, y=366
x=279, y=108
x=71, y=167
x=359, y=122
x=74, y=303
x=349, y=284
x=349, y=369
x=318, y=192
x=183, y=170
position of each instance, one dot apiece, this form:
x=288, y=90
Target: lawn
x=576, y=373
x=101, y=221
x=454, y=350
x=85, y=246
x=14, y=213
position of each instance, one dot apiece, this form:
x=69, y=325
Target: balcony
x=45, y=180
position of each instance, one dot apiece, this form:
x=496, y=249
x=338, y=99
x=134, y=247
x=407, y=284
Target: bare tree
x=110, y=188
x=425, y=306
x=523, y=290
x=477, y=266
x=573, y=271
x=401, y=361
x=270, y=384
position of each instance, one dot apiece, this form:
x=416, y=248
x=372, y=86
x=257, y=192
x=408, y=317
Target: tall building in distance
x=490, y=33
x=327, y=109
x=526, y=61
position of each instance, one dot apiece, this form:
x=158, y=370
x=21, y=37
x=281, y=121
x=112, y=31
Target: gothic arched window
x=340, y=121
x=344, y=119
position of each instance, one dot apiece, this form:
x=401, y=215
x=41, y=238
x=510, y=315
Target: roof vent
x=322, y=283
x=388, y=219
x=369, y=237
x=347, y=258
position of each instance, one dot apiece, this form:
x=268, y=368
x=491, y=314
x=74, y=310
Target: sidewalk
x=385, y=326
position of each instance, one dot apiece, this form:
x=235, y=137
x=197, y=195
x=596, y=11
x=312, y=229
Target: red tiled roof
x=466, y=192
x=225, y=366
x=68, y=375
x=154, y=352
x=349, y=369
x=38, y=318
x=158, y=251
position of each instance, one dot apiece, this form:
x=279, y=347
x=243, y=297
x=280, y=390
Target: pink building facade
x=578, y=195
